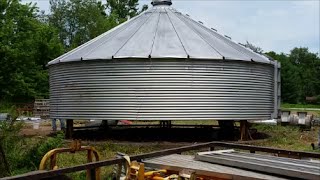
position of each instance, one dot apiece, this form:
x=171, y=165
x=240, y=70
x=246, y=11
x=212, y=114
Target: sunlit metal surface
x=161, y=32
x=162, y=90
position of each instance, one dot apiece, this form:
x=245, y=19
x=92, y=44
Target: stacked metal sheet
x=178, y=163
x=293, y=168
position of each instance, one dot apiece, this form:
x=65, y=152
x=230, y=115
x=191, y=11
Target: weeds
x=287, y=137
x=33, y=155
x=23, y=154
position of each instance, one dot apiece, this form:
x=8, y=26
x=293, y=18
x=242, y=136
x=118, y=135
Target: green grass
x=302, y=106
x=287, y=137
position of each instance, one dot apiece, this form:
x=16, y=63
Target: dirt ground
x=45, y=128
x=42, y=131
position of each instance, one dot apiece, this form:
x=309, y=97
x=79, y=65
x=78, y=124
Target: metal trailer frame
x=210, y=145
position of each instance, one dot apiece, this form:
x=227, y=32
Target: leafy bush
x=24, y=155
x=5, y=107
x=33, y=155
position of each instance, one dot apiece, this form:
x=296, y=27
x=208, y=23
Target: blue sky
x=273, y=25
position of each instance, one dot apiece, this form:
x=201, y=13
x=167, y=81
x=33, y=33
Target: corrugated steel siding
x=162, y=90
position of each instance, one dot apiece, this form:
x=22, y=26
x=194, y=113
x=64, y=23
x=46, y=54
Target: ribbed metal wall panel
x=162, y=90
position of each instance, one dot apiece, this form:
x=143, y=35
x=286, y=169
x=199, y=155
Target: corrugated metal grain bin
x=162, y=65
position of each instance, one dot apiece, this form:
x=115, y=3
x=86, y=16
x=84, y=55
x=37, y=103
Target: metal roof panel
x=140, y=45
x=167, y=43
x=195, y=47
x=161, y=32
x=110, y=47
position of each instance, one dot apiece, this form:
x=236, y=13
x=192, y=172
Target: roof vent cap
x=161, y=2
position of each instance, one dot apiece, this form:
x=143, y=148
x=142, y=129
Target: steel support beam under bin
x=69, y=130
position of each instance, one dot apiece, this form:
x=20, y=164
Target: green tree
x=29, y=39
x=308, y=69
x=17, y=154
x=78, y=21
x=299, y=74
x=290, y=79
x=123, y=9
x=26, y=46
x=254, y=48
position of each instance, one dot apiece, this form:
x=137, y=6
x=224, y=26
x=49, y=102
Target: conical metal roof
x=161, y=32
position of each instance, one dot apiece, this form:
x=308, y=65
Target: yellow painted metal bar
x=76, y=147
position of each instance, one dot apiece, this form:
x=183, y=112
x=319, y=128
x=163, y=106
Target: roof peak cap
x=161, y=2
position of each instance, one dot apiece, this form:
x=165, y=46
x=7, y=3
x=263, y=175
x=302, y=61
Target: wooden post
x=244, y=131
x=69, y=130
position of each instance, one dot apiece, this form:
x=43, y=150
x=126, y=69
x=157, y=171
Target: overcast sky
x=273, y=25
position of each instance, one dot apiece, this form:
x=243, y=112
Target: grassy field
x=287, y=137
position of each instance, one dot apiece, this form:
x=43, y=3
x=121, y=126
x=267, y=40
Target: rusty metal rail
x=210, y=145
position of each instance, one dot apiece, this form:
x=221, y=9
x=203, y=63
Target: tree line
x=300, y=75
x=29, y=39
